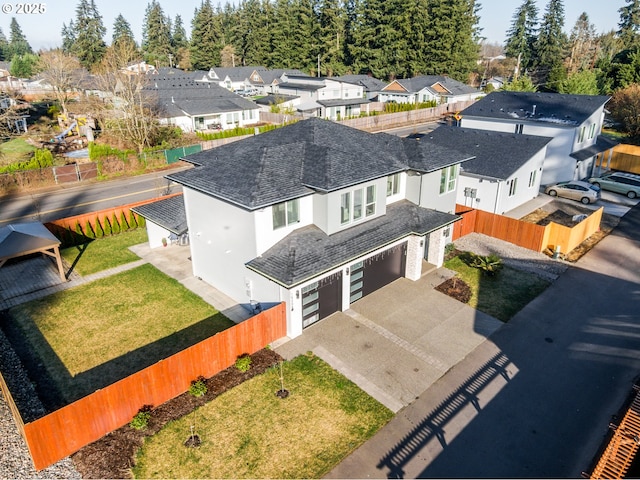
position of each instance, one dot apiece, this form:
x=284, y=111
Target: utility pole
x=318, y=65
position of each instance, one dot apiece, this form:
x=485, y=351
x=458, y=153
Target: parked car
x=575, y=190
x=626, y=183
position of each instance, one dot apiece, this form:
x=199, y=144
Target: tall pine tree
x=331, y=34
x=583, y=45
x=522, y=35
x=206, y=38
x=89, y=45
x=551, y=46
x=156, y=36
x=629, y=23
x=18, y=44
x=68, y=36
x=122, y=33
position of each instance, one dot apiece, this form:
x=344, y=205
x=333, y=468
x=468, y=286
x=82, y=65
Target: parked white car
x=575, y=190
x=625, y=183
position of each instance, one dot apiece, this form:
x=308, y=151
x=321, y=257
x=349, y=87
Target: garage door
x=322, y=298
x=377, y=271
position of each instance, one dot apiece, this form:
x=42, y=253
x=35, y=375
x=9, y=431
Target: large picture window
x=357, y=204
x=448, y=178
x=286, y=213
x=393, y=184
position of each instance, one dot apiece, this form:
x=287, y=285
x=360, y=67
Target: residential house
x=371, y=86
x=428, y=88
x=317, y=214
x=324, y=97
x=267, y=80
x=505, y=171
x=283, y=103
x=139, y=68
x=573, y=121
x=166, y=221
x=196, y=106
x=231, y=78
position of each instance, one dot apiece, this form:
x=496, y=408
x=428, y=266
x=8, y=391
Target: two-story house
x=317, y=215
x=324, y=97
x=505, y=171
x=573, y=121
x=428, y=88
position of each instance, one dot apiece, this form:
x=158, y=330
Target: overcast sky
x=43, y=29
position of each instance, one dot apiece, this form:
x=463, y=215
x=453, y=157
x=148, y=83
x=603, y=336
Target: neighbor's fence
x=525, y=234
x=65, y=431
x=625, y=158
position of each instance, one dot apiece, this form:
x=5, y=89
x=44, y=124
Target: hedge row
x=98, y=228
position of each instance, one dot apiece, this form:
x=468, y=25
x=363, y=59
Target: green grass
x=248, y=432
x=90, y=336
x=15, y=150
x=502, y=295
x=104, y=253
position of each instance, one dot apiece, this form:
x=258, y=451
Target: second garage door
x=377, y=271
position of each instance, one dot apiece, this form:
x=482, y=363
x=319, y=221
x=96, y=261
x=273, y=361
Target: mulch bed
x=456, y=288
x=113, y=455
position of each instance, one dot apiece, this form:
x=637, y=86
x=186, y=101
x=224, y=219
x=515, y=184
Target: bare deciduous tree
x=129, y=111
x=62, y=71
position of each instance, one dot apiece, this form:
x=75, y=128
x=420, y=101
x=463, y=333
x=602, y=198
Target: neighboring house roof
x=497, y=154
x=302, y=85
x=299, y=159
x=437, y=84
x=549, y=108
x=602, y=145
x=369, y=83
x=169, y=213
x=275, y=99
x=235, y=74
x=344, y=101
x=271, y=76
x=191, y=98
x=308, y=251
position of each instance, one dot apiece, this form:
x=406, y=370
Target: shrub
x=141, y=221
x=99, y=230
x=79, y=229
x=106, y=226
x=198, y=388
x=243, y=363
x=115, y=226
x=88, y=230
x=489, y=264
x=141, y=419
x=124, y=226
x=132, y=220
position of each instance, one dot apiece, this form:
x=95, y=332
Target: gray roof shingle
x=416, y=84
x=308, y=252
x=310, y=155
x=497, y=154
x=169, y=213
x=551, y=108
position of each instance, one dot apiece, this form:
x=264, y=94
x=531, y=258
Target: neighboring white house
x=573, y=121
x=505, y=172
x=324, y=97
x=317, y=215
x=428, y=88
x=199, y=106
x=372, y=86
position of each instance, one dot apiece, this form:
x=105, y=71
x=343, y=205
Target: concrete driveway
x=397, y=341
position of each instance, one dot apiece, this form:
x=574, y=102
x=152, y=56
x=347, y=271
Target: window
x=581, y=137
x=448, y=179
x=354, y=205
x=512, y=186
x=286, y=213
x=592, y=130
x=393, y=184
x=532, y=178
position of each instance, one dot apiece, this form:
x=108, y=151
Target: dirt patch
x=456, y=288
x=113, y=455
x=564, y=215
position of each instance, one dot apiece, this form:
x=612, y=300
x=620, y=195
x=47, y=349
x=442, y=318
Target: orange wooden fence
x=525, y=234
x=63, y=432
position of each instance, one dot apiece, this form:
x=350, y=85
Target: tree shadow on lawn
x=56, y=387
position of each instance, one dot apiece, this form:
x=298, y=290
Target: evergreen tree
x=89, y=45
x=551, y=42
x=253, y=32
x=371, y=35
x=4, y=44
x=206, y=38
x=629, y=23
x=122, y=33
x=522, y=35
x=416, y=19
x=330, y=35
x=584, y=82
x=179, y=35
x=521, y=84
x=68, y=36
x=283, y=48
x=156, y=36
x=18, y=44
x=23, y=66
x=582, y=45
x=303, y=42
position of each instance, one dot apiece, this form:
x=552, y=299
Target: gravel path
x=517, y=257
x=15, y=461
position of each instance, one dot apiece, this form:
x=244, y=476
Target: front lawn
x=104, y=253
x=15, y=150
x=249, y=432
x=502, y=295
x=78, y=340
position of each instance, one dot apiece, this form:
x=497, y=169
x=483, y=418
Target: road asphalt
x=536, y=398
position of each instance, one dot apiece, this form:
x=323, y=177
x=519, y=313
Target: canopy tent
x=20, y=239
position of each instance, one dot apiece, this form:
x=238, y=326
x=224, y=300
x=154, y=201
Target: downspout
x=498, y=192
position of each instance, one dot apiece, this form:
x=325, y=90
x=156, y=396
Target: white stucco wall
x=267, y=237
x=156, y=233
x=333, y=200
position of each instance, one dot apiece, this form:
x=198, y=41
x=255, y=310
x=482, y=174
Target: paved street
x=536, y=398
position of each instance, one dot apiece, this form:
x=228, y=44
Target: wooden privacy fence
x=625, y=158
x=525, y=234
x=65, y=431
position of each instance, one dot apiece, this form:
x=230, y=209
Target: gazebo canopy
x=20, y=239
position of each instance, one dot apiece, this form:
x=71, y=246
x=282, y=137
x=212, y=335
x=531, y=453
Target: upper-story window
x=532, y=178
x=393, y=184
x=357, y=203
x=448, y=178
x=592, y=130
x=513, y=184
x=581, y=137
x=286, y=213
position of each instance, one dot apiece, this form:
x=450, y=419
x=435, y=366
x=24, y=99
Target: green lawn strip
x=104, y=253
x=15, y=150
x=95, y=334
x=502, y=295
x=248, y=432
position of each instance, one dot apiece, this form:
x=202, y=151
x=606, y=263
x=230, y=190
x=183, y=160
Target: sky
x=43, y=29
